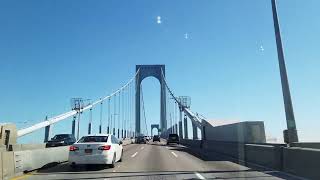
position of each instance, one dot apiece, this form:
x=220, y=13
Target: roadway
x=158, y=161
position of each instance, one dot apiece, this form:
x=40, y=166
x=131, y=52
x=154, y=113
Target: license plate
x=173, y=137
x=88, y=151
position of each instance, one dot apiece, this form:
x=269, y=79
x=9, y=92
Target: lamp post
x=290, y=135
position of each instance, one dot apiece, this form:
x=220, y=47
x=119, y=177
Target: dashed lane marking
x=199, y=175
x=174, y=154
x=133, y=155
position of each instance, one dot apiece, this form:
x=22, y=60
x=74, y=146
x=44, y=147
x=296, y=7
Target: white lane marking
x=174, y=154
x=142, y=147
x=133, y=155
x=167, y=147
x=114, y=171
x=199, y=175
x=118, y=166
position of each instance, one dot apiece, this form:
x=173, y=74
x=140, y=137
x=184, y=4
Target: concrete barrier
x=232, y=149
x=303, y=162
x=23, y=147
x=126, y=141
x=34, y=159
x=265, y=155
x=243, y=132
x=191, y=143
x=7, y=165
x=313, y=145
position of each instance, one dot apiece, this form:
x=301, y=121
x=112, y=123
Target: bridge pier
x=185, y=127
x=89, y=128
x=108, y=130
x=73, y=131
x=176, y=129
x=46, y=132
x=180, y=130
x=122, y=133
x=114, y=131
x=180, y=125
x=118, y=133
x=195, y=131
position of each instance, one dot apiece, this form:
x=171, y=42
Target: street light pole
x=290, y=135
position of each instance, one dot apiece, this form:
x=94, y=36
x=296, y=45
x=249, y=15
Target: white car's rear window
x=85, y=139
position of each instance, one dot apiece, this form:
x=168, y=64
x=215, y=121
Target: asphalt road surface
x=158, y=161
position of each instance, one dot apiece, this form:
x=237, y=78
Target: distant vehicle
x=156, y=138
x=61, y=140
x=147, y=138
x=141, y=140
x=96, y=149
x=173, y=138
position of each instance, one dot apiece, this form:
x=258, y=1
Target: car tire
x=120, y=160
x=113, y=161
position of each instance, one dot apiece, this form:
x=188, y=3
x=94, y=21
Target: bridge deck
x=157, y=161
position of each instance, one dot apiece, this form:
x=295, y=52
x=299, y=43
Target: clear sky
x=51, y=51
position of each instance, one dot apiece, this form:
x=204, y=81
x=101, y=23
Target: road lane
x=156, y=161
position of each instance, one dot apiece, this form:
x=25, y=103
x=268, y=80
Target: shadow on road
x=163, y=174
x=66, y=168
x=214, y=156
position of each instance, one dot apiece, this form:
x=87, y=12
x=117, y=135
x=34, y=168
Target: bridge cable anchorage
x=143, y=109
x=71, y=113
x=193, y=116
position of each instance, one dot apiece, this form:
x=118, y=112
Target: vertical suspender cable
x=100, y=126
x=119, y=114
x=90, y=121
x=123, y=113
x=108, y=129
x=114, y=114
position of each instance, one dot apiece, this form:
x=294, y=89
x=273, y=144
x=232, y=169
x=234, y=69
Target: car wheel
x=113, y=161
x=120, y=160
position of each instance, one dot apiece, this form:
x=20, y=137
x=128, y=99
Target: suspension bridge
x=232, y=151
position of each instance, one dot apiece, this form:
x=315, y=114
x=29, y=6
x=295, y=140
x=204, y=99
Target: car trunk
x=88, y=148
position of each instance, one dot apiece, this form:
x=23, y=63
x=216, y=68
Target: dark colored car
x=156, y=138
x=141, y=140
x=61, y=140
x=173, y=138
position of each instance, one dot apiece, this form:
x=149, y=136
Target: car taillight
x=73, y=148
x=105, y=148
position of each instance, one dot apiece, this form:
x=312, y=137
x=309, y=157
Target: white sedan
x=96, y=149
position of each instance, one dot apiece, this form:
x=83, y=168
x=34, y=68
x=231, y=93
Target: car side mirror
x=120, y=142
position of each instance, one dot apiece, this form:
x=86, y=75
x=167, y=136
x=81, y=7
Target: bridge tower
x=144, y=71
x=155, y=126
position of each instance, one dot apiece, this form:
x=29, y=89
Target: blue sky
x=51, y=51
